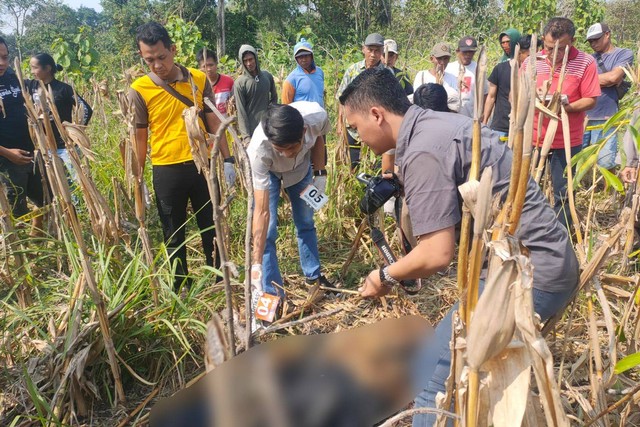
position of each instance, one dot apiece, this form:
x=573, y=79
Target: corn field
x=93, y=333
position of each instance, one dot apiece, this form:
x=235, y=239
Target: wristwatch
x=320, y=172
x=386, y=279
x=230, y=159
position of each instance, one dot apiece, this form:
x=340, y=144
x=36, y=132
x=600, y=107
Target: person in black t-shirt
x=499, y=91
x=18, y=171
x=43, y=67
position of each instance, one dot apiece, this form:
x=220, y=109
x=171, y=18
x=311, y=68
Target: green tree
x=48, y=22
x=14, y=14
x=187, y=38
x=529, y=14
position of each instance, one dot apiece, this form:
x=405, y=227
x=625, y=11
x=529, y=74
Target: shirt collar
x=185, y=75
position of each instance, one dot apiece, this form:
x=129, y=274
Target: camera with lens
x=377, y=191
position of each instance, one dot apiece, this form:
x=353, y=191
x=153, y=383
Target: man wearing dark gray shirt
x=433, y=153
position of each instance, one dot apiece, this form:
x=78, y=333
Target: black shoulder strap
x=598, y=57
x=159, y=82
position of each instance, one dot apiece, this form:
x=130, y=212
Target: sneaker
x=322, y=279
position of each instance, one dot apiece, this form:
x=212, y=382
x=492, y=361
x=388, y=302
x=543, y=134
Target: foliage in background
x=79, y=58
x=187, y=38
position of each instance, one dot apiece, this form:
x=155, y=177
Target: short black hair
x=283, y=124
x=376, y=86
x=525, y=42
x=431, y=96
x=152, y=33
x=3, y=41
x=45, y=59
x=558, y=27
x=209, y=53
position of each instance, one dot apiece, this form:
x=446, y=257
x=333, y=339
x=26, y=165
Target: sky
x=93, y=4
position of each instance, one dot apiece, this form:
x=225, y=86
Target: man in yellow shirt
x=159, y=125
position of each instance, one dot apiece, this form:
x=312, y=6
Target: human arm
x=88, y=111
x=141, y=120
x=433, y=253
x=589, y=91
x=489, y=102
x=16, y=155
x=388, y=161
x=318, y=154
x=582, y=104
x=239, y=94
x=611, y=78
x=288, y=92
x=260, y=224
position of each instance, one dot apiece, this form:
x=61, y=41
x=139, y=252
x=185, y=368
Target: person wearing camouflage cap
x=372, y=50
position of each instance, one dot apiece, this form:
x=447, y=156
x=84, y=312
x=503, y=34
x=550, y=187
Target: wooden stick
x=566, y=133
x=245, y=168
x=307, y=319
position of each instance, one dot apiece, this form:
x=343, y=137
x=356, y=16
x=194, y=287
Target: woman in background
x=43, y=67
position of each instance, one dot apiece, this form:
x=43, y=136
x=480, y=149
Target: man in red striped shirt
x=581, y=88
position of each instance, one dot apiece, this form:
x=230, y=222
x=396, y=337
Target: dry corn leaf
x=507, y=382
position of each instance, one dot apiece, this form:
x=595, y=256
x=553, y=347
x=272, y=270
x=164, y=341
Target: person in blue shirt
x=306, y=81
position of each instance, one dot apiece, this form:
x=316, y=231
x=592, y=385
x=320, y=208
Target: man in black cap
x=610, y=61
x=372, y=49
x=465, y=69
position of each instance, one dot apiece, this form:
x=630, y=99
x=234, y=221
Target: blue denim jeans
x=558, y=164
x=305, y=233
x=607, y=154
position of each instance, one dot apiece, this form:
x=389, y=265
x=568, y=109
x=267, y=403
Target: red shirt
x=222, y=91
x=581, y=81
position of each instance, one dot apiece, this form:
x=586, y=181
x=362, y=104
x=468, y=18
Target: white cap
x=597, y=30
x=391, y=46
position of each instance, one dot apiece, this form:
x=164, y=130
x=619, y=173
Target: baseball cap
x=467, y=44
x=440, y=49
x=597, y=30
x=391, y=46
x=303, y=47
x=374, y=39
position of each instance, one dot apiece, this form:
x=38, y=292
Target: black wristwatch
x=386, y=279
x=320, y=172
x=230, y=159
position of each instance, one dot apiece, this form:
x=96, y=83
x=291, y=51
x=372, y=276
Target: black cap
x=467, y=44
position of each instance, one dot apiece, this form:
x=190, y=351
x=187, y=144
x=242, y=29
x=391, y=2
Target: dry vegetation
x=92, y=333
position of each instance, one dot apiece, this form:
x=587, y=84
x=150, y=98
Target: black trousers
x=22, y=181
x=174, y=186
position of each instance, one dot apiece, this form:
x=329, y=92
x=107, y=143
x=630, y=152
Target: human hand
x=320, y=182
x=372, y=287
x=18, y=156
x=229, y=174
x=256, y=276
x=629, y=174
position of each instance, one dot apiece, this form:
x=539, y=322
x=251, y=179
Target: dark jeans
x=22, y=181
x=434, y=360
x=174, y=186
x=557, y=161
x=354, y=151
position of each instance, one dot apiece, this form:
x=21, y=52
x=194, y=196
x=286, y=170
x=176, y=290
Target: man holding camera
x=286, y=150
x=433, y=154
